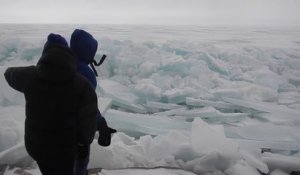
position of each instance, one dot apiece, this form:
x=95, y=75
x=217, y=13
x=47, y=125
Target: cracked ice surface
x=189, y=97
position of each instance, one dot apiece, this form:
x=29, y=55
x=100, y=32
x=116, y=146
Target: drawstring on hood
x=84, y=45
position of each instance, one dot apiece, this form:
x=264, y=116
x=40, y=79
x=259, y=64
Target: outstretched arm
x=18, y=77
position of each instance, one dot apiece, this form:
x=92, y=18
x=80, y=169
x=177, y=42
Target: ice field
x=207, y=100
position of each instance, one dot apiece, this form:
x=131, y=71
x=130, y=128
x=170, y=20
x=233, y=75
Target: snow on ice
x=201, y=99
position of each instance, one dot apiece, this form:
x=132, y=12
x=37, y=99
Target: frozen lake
x=190, y=97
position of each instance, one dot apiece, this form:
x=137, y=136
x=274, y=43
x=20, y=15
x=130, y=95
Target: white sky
x=197, y=12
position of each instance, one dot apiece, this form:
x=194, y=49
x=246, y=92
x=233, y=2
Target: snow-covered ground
x=203, y=99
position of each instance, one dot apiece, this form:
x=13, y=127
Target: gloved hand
x=105, y=132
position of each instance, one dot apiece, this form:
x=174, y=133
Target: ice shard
x=153, y=106
x=140, y=124
x=287, y=163
x=121, y=96
x=208, y=114
x=217, y=104
x=286, y=113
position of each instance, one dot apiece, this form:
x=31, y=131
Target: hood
x=55, y=39
x=57, y=64
x=84, y=45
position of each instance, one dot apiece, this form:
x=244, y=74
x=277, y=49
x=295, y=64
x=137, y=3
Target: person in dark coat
x=84, y=45
x=61, y=107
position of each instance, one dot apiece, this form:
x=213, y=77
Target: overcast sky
x=194, y=12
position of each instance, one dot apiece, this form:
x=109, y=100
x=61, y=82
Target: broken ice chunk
x=264, y=132
x=121, y=96
x=242, y=168
x=231, y=93
x=208, y=114
x=176, y=95
x=104, y=104
x=207, y=140
x=153, y=106
x=260, y=136
x=278, y=172
x=15, y=156
x=217, y=104
x=287, y=163
x=287, y=98
x=258, y=145
x=277, y=118
x=254, y=161
x=294, y=80
x=286, y=113
x=245, y=90
x=172, y=112
x=140, y=124
x=146, y=90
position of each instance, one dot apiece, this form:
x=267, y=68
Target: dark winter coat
x=61, y=105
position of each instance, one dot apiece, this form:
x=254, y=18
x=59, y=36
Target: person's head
x=57, y=62
x=84, y=45
x=55, y=40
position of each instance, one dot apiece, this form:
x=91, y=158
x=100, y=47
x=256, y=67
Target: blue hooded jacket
x=84, y=45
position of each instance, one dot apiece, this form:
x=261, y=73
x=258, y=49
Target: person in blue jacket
x=84, y=46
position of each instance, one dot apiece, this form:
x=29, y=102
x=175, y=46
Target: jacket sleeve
x=18, y=77
x=87, y=115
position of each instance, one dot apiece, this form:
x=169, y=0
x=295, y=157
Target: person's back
x=61, y=109
x=84, y=45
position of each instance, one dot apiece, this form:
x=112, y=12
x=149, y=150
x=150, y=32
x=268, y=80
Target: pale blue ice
x=189, y=97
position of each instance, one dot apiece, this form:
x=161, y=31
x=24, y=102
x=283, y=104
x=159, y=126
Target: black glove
x=105, y=132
